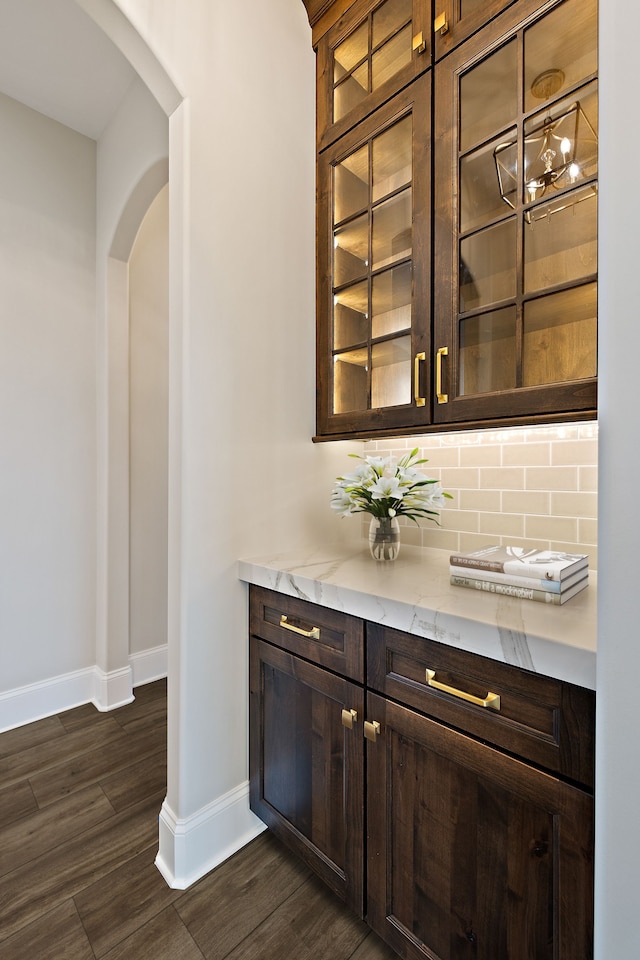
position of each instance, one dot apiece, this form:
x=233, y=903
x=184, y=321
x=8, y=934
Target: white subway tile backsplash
x=483, y=501
x=574, y=504
x=503, y=478
x=552, y=478
x=551, y=528
x=519, y=485
x=505, y=525
x=526, y=454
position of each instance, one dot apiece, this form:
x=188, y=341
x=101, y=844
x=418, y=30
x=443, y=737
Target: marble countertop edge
x=414, y=594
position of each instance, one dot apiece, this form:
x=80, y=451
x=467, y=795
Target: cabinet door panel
x=369, y=53
x=515, y=243
x=472, y=854
x=373, y=281
x=306, y=767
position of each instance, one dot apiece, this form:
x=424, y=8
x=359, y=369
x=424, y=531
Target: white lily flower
x=383, y=488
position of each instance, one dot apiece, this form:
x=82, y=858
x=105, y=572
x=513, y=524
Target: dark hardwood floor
x=80, y=795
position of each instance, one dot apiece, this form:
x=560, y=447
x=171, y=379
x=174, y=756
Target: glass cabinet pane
x=560, y=50
x=351, y=316
x=351, y=91
x=388, y=18
x=391, y=301
x=391, y=373
x=561, y=145
x=560, y=240
x=351, y=251
x=488, y=352
x=560, y=336
x=391, y=153
x=484, y=175
x=489, y=96
x=350, y=52
x=488, y=266
x=351, y=185
x=391, y=230
x=390, y=58
x=350, y=381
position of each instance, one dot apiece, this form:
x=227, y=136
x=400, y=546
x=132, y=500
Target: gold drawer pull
x=441, y=24
x=371, y=730
x=349, y=717
x=442, y=397
x=419, y=44
x=492, y=700
x=312, y=634
x=420, y=401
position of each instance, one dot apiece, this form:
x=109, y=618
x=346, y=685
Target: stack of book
x=544, y=575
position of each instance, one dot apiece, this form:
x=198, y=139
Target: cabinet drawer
x=326, y=637
x=544, y=721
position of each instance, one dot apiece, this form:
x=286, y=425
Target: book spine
x=535, y=583
x=507, y=589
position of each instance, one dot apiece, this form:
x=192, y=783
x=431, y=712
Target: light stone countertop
x=413, y=593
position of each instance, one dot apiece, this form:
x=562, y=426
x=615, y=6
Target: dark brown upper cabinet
x=515, y=200
x=373, y=311
x=370, y=53
x=456, y=214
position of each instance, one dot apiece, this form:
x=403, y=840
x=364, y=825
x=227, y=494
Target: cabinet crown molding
x=323, y=14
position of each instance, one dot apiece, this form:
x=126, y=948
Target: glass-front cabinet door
x=376, y=48
x=373, y=270
x=516, y=217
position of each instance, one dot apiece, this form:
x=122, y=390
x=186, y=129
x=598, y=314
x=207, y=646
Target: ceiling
x=54, y=59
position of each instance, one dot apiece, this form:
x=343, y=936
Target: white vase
x=384, y=538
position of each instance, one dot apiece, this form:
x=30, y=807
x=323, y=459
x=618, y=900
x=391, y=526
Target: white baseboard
x=37, y=700
x=113, y=689
x=192, y=847
x=149, y=665
x=106, y=691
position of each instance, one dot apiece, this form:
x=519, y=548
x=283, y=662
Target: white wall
x=618, y=755
x=149, y=411
x=132, y=166
x=47, y=398
x=242, y=390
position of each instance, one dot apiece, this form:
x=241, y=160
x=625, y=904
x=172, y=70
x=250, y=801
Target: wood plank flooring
x=80, y=795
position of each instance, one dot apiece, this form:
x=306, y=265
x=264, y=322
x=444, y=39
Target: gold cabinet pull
x=491, y=701
x=371, y=730
x=349, y=717
x=442, y=397
x=420, y=401
x=441, y=24
x=312, y=634
x=419, y=43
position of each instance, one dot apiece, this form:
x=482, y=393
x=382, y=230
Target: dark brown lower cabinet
x=458, y=832
x=307, y=767
x=472, y=853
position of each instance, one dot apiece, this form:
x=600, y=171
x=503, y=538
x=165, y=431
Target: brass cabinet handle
x=420, y=401
x=442, y=397
x=312, y=634
x=371, y=730
x=349, y=717
x=419, y=43
x=441, y=23
x=492, y=700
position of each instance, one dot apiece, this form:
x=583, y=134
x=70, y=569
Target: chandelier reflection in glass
x=551, y=159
